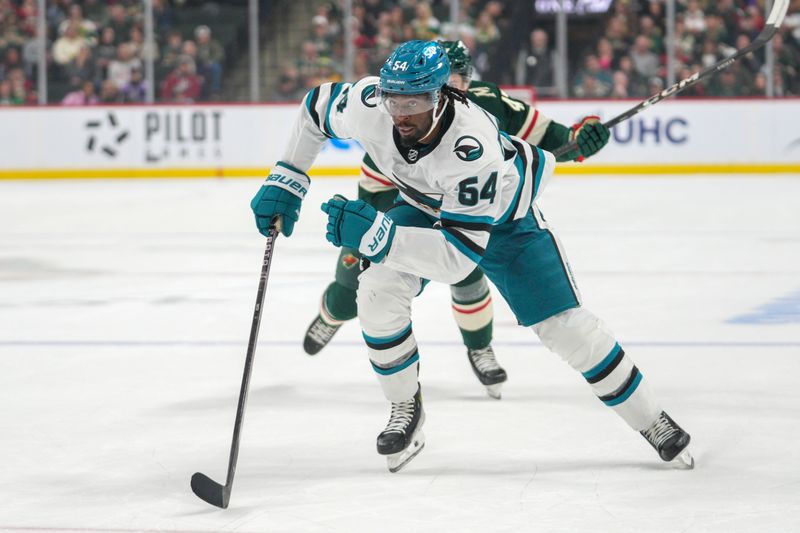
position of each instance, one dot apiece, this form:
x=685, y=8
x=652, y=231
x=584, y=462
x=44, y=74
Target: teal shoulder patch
x=368, y=95
x=468, y=148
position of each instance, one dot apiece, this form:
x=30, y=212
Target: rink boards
x=674, y=137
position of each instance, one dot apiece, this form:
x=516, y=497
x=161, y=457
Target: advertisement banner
x=244, y=140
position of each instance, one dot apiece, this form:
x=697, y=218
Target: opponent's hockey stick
x=770, y=29
x=202, y=485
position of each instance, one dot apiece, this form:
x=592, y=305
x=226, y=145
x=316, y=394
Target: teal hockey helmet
x=412, y=77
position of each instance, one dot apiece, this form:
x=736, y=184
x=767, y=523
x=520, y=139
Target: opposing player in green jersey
x=471, y=298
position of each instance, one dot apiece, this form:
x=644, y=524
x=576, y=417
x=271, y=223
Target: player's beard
x=415, y=136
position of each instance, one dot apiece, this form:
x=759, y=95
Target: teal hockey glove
x=280, y=196
x=591, y=135
x=356, y=224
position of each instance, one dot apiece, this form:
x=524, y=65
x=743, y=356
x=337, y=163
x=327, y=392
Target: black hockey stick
x=202, y=485
x=770, y=29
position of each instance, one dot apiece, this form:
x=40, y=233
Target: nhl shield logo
x=413, y=154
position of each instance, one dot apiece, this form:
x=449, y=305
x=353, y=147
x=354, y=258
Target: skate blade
x=397, y=461
x=684, y=460
x=494, y=391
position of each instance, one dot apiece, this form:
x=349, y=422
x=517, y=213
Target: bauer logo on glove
x=278, y=200
x=356, y=224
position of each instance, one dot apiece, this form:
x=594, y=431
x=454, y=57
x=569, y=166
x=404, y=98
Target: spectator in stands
x=56, y=12
x=6, y=97
x=655, y=85
x=21, y=88
x=308, y=64
x=731, y=82
x=105, y=52
x=592, y=81
x=172, y=50
x=118, y=20
x=163, y=16
x=85, y=95
x=11, y=60
x=119, y=70
x=619, y=88
x=109, y=93
x=589, y=87
x=67, y=47
x=425, y=25
x=694, y=17
x=616, y=34
x=321, y=37
x=210, y=57
x=750, y=61
x=648, y=28
x=605, y=54
x=28, y=11
x=182, y=85
x=135, y=91
x=86, y=29
x=326, y=72
x=81, y=68
x=537, y=61
x=138, y=45
x=94, y=10
x=644, y=60
x=636, y=83
x=787, y=64
x=715, y=30
x=289, y=84
x=710, y=53
x=10, y=31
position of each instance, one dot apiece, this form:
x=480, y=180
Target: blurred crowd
x=626, y=55
x=629, y=57
x=96, y=52
x=96, y=48
x=378, y=27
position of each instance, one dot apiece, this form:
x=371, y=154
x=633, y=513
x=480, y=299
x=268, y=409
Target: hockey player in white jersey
x=467, y=197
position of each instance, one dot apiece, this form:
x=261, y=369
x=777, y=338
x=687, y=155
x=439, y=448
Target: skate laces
x=484, y=359
x=401, y=416
x=321, y=331
x=661, y=430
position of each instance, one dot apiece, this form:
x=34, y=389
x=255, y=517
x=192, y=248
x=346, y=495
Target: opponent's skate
x=403, y=439
x=489, y=373
x=670, y=441
x=319, y=334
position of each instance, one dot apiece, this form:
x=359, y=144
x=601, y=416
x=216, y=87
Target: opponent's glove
x=591, y=136
x=356, y=224
x=280, y=196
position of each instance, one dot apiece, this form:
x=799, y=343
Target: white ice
x=124, y=313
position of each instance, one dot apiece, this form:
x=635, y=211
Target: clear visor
x=397, y=104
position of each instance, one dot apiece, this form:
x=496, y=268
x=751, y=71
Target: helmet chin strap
x=438, y=111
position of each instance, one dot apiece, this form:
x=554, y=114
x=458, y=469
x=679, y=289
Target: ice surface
x=124, y=313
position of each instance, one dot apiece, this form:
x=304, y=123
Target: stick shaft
x=251, y=349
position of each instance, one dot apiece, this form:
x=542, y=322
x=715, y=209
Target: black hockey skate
x=403, y=439
x=318, y=335
x=489, y=373
x=670, y=441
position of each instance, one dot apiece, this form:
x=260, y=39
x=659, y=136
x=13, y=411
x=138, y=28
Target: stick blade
x=209, y=490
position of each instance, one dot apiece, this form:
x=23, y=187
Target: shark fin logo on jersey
x=368, y=95
x=468, y=148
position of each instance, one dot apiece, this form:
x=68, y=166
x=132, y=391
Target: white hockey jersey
x=471, y=176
